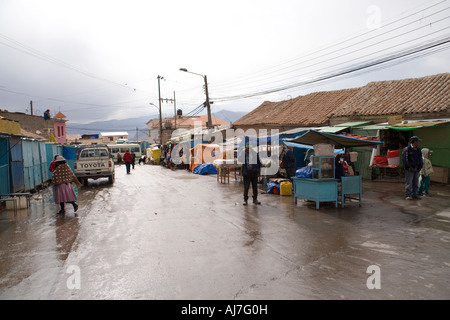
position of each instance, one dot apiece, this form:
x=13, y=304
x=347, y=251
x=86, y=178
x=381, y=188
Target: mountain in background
x=136, y=127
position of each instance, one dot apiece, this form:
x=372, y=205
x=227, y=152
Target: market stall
x=323, y=186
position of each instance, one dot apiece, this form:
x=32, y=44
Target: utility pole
x=167, y=101
x=160, y=117
x=175, y=109
x=31, y=107
x=209, y=125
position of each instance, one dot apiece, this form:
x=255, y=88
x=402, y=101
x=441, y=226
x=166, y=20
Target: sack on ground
x=273, y=187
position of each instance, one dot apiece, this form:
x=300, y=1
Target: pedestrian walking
x=425, y=173
x=127, y=159
x=133, y=159
x=119, y=158
x=251, y=168
x=62, y=178
x=413, y=163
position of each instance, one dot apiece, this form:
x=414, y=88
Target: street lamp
x=208, y=106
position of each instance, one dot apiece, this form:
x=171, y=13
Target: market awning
x=332, y=129
x=416, y=125
x=353, y=124
x=313, y=137
x=343, y=126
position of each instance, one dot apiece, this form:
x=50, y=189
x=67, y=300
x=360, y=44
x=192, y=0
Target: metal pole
x=160, y=117
x=208, y=106
x=175, y=109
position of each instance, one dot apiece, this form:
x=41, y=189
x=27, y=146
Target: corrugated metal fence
x=24, y=162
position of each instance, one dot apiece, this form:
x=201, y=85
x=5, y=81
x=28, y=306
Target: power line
x=399, y=55
x=332, y=58
x=47, y=58
x=238, y=80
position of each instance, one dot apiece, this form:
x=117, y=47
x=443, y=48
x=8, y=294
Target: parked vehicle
x=94, y=162
x=122, y=148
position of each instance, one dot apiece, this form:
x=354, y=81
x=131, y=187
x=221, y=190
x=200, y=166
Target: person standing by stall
x=62, y=178
x=413, y=163
x=425, y=173
x=127, y=158
x=289, y=162
x=251, y=168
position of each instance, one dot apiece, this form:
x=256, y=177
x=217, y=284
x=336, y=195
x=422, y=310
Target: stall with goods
x=324, y=185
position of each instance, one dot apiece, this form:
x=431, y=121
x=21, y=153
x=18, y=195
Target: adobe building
x=53, y=129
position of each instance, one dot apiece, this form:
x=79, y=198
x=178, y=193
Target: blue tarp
x=205, y=168
x=272, y=186
x=305, y=172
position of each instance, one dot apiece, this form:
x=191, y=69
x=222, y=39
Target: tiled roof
x=60, y=115
x=408, y=96
x=31, y=134
x=429, y=94
x=311, y=109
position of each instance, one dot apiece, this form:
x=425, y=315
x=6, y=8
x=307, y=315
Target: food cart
x=323, y=186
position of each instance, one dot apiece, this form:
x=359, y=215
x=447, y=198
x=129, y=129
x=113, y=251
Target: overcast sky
x=99, y=59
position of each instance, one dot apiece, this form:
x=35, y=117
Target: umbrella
x=312, y=137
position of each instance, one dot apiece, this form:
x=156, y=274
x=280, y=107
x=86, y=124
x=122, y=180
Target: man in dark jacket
x=251, y=167
x=289, y=163
x=413, y=163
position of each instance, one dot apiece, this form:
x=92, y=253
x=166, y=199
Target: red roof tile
x=429, y=94
x=420, y=95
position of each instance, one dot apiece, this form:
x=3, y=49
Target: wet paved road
x=162, y=234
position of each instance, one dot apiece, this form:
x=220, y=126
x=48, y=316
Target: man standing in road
x=289, y=162
x=413, y=163
x=251, y=167
x=127, y=158
x=133, y=159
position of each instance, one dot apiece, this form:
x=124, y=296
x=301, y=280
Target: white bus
x=124, y=147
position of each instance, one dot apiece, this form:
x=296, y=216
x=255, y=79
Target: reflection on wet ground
x=165, y=234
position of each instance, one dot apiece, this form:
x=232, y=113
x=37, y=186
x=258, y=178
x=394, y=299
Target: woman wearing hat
x=62, y=179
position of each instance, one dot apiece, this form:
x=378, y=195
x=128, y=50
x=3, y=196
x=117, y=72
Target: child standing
x=425, y=173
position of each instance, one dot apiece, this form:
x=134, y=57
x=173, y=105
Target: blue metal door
x=17, y=178
x=4, y=165
x=28, y=175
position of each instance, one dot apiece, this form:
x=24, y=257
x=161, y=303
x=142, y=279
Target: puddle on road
x=445, y=214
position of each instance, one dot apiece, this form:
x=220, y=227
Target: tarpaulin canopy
x=415, y=125
x=313, y=137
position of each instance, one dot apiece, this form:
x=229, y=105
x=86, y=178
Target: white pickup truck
x=94, y=162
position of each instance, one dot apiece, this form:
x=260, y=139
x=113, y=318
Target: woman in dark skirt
x=62, y=179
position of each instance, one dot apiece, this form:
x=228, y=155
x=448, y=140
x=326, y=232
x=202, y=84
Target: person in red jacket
x=127, y=158
x=52, y=166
